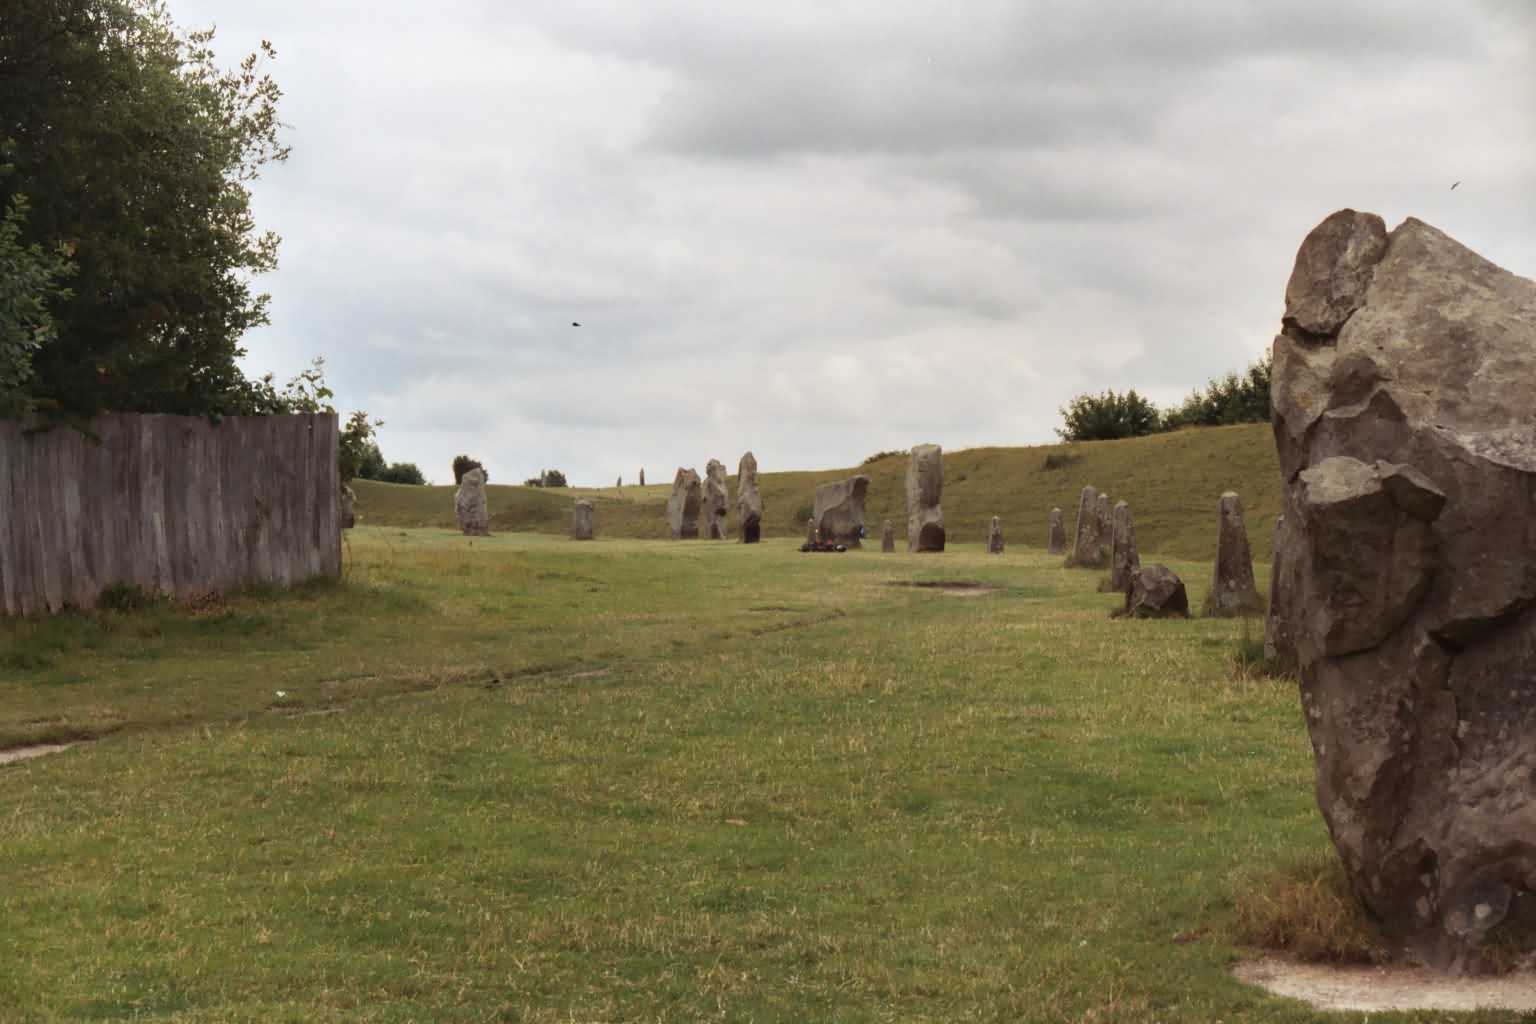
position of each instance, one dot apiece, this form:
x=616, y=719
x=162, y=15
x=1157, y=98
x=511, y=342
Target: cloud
x=821, y=229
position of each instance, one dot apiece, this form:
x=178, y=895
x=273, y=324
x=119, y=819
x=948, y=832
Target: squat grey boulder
x=1233, y=591
x=469, y=505
x=1058, y=541
x=716, y=500
x=1156, y=592
x=749, y=503
x=1088, y=546
x=1402, y=404
x=925, y=485
x=683, y=505
x=995, y=537
x=888, y=538
x=838, y=514
x=583, y=525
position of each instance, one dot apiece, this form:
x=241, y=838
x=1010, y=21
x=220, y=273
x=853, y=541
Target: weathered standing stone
x=1088, y=546
x=583, y=525
x=1058, y=541
x=1156, y=592
x=995, y=537
x=839, y=510
x=683, y=505
x=642, y=478
x=1233, y=591
x=810, y=531
x=469, y=505
x=1105, y=522
x=925, y=484
x=888, y=538
x=1402, y=398
x=619, y=483
x=1124, y=559
x=348, y=508
x=716, y=500
x=1278, y=647
x=749, y=503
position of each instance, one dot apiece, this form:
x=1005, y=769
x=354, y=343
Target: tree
x=134, y=150
x=1108, y=416
x=463, y=464
x=401, y=473
x=1231, y=398
x=371, y=464
x=30, y=280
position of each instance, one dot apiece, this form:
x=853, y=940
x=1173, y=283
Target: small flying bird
x=575, y=324
x=1453, y=187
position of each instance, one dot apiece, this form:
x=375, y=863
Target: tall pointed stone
x=1088, y=550
x=716, y=500
x=995, y=537
x=925, y=485
x=1232, y=588
x=1124, y=560
x=683, y=505
x=749, y=503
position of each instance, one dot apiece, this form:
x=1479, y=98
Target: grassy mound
x=1172, y=481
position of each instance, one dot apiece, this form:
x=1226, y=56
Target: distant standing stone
x=749, y=503
x=683, y=505
x=838, y=513
x=583, y=526
x=810, y=531
x=1088, y=546
x=995, y=537
x=619, y=483
x=1232, y=589
x=348, y=507
x=888, y=538
x=1058, y=542
x=1156, y=592
x=925, y=485
x=469, y=505
x=1124, y=560
x=1278, y=645
x=716, y=500
x=642, y=478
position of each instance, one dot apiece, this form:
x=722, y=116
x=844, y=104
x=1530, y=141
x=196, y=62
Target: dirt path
x=1375, y=989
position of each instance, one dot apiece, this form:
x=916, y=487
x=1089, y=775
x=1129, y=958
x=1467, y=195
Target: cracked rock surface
x=838, y=512
x=925, y=486
x=1404, y=404
x=684, y=504
x=749, y=503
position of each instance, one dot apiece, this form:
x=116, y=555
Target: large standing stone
x=583, y=524
x=716, y=500
x=1088, y=551
x=1233, y=591
x=1402, y=402
x=348, y=507
x=838, y=513
x=1156, y=592
x=469, y=505
x=749, y=503
x=995, y=537
x=1058, y=541
x=683, y=505
x=925, y=484
x=888, y=538
x=1124, y=559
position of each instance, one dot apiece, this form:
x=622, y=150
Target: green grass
x=1172, y=481
x=528, y=779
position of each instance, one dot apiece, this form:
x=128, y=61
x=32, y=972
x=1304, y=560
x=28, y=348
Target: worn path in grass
x=630, y=781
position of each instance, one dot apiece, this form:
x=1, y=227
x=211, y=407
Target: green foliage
x=371, y=462
x=135, y=151
x=891, y=454
x=1108, y=417
x=401, y=473
x=463, y=464
x=1225, y=400
x=547, y=478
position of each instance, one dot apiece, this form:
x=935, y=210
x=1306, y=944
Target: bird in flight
x=575, y=324
x=1453, y=187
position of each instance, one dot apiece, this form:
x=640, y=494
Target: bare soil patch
x=16, y=754
x=1379, y=989
x=950, y=588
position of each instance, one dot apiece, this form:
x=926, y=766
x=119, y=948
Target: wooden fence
x=182, y=505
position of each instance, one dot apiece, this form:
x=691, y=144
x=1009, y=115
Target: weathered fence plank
x=181, y=505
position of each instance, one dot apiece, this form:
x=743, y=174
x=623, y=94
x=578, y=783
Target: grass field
x=527, y=779
x=1174, y=510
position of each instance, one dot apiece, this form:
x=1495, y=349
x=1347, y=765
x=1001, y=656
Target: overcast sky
x=820, y=229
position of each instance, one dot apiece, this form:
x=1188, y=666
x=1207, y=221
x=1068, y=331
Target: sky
x=822, y=229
